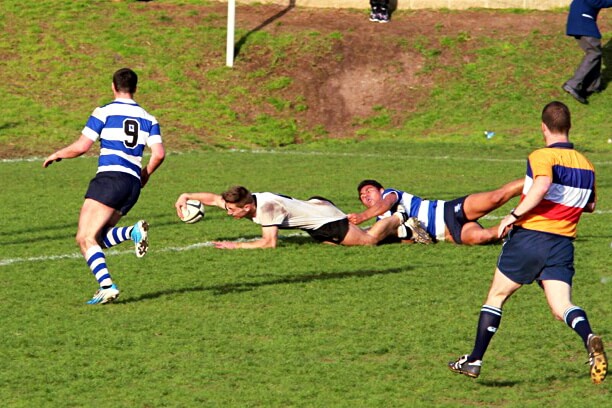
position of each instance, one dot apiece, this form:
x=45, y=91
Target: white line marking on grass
x=76, y=255
x=330, y=154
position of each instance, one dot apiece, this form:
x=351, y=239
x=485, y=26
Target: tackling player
x=454, y=221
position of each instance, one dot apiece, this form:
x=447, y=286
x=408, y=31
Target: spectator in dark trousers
x=582, y=25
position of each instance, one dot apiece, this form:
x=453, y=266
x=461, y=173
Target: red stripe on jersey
x=556, y=211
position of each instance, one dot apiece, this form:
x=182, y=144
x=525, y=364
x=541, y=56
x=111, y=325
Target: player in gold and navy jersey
x=559, y=187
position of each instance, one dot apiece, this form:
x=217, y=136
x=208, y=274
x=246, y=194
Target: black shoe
x=465, y=367
x=575, y=94
x=374, y=14
x=383, y=15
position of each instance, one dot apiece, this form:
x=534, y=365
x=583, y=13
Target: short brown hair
x=125, y=80
x=556, y=116
x=238, y=195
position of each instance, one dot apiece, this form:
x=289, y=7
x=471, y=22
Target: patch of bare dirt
x=373, y=65
x=376, y=65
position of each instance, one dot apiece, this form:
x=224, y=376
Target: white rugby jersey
x=124, y=128
x=286, y=212
x=430, y=213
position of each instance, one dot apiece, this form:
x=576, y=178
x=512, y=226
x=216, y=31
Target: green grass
x=302, y=325
x=57, y=69
x=305, y=324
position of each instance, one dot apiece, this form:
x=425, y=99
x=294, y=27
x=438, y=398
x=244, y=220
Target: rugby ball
x=193, y=212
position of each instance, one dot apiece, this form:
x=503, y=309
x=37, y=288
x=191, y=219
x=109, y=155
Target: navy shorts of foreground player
x=115, y=189
x=529, y=255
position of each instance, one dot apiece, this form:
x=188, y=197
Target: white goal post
x=231, y=23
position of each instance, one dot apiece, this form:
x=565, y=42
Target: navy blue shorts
x=334, y=231
x=115, y=189
x=454, y=218
x=529, y=255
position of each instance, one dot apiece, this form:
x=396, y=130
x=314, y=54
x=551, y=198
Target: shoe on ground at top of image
x=374, y=14
x=419, y=234
x=104, y=295
x=597, y=359
x=140, y=236
x=465, y=367
x=383, y=15
x=575, y=94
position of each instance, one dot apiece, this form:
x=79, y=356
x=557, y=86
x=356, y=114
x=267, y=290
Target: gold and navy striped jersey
x=573, y=187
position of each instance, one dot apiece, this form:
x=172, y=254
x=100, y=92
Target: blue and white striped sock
x=97, y=263
x=117, y=235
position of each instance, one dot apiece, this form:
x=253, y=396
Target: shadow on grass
x=46, y=233
x=9, y=125
x=498, y=384
x=238, y=287
x=278, y=15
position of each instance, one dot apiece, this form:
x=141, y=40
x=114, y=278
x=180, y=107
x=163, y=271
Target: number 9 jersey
x=124, y=128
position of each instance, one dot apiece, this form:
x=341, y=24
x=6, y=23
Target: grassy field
x=303, y=325
x=57, y=68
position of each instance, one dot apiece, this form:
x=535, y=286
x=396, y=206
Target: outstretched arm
x=205, y=198
x=76, y=149
x=269, y=238
x=377, y=209
x=533, y=197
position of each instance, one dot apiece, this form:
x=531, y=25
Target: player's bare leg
x=93, y=218
x=473, y=234
x=478, y=205
x=385, y=228
x=379, y=231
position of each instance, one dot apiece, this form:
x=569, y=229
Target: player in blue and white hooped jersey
x=454, y=221
x=124, y=129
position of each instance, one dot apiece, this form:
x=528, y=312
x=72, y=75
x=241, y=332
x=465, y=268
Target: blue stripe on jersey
x=529, y=172
x=398, y=194
x=114, y=160
x=155, y=131
x=135, y=151
x=431, y=218
x=116, y=121
x=569, y=176
x=95, y=124
x=415, y=204
x=573, y=177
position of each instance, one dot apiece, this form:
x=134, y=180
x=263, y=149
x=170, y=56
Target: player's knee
x=479, y=236
x=79, y=239
x=84, y=242
x=558, y=311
